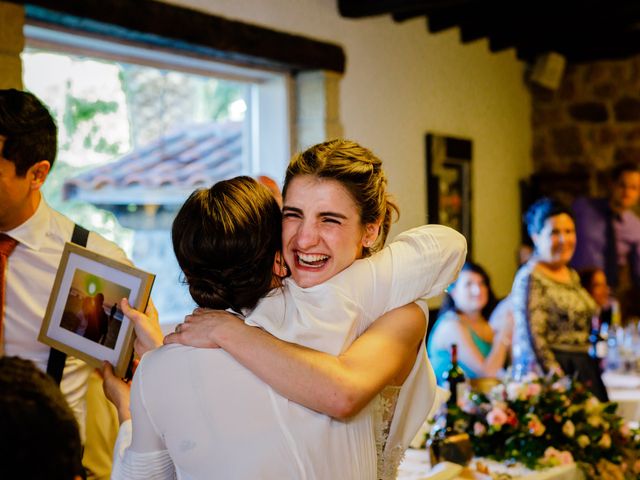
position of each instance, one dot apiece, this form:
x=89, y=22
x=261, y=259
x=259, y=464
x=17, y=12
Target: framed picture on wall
x=449, y=183
x=83, y=316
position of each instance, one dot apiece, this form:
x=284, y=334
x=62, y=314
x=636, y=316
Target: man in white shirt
x=27, y=152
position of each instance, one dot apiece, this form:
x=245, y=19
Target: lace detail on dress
x=384, y=409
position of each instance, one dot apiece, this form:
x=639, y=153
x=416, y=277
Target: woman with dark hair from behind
x=552, y=312
x=463, y=320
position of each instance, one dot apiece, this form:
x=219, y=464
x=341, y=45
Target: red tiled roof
x=166, y=170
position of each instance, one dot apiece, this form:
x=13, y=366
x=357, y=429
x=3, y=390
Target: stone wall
x=590, y=123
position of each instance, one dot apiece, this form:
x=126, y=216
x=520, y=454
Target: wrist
x=222, y=332
x=124, y=414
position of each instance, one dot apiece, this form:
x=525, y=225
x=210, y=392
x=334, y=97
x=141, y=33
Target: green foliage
x=217, y=96
x=544, y=422
x=78, y=111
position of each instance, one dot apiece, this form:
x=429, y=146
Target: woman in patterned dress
x=552, y=312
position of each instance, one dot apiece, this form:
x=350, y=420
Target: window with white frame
x=140, y=129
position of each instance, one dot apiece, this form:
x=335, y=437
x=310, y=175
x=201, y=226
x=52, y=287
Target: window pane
x=134, y=141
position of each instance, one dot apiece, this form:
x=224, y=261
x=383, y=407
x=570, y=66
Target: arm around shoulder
x=425, y=260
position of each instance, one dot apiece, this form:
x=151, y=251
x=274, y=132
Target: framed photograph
x=83, y=316
x=449, y=183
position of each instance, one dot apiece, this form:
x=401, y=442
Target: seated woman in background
x=594, y=281
x=552, y=311
x=463, y=320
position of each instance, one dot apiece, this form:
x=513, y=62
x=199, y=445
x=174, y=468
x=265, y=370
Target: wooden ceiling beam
x=444, y=18
x=574, y=28
x=368, y=8
x=161, y=24
x=408, y=15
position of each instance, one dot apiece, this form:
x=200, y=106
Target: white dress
x=211, y=418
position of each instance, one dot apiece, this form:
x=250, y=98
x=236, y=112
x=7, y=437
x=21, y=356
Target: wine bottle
x=454, y=379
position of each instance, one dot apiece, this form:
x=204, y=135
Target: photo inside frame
x=92, y=309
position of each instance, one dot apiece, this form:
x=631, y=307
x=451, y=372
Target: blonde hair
x=359, y=171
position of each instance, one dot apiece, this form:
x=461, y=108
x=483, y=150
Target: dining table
x=623, y=387
x=416, y=466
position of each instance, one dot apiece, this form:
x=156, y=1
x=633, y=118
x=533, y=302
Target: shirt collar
x=32, y=232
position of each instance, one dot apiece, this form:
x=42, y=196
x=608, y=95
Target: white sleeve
x=140, y=452
x=419, y=263
x=130, y=465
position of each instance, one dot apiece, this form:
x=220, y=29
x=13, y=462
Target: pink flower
x=496, y=417
x=479, y=429
x=554, y=457
x=625, y=431
x=533, y=389
x=565, y=457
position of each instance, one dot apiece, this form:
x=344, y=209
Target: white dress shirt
x=31, y=271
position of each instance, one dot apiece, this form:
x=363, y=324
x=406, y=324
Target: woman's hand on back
x=202, y=328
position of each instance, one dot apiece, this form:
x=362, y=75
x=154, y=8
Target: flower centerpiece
x=547, y=421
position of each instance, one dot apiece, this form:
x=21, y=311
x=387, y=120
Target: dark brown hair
x=225, y=239
x=40, y=433
x=31, y=134
x=448, y=303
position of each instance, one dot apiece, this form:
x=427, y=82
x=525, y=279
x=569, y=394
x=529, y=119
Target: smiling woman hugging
x=336, y=214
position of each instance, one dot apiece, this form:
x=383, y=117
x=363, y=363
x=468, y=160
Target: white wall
x=402, y=82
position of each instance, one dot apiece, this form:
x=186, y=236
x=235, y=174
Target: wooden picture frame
x=83, y=316
x=449, y=183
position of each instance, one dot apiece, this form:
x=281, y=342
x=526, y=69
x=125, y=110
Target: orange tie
x=7, y=244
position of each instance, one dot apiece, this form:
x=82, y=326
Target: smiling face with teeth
x=321, y=231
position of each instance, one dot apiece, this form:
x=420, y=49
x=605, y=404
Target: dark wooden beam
x=444, y=18
x=158, y=23
x=369, y=8
x=408, y=15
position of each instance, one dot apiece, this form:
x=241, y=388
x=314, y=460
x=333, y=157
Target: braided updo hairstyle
x=359, y=171
x=225, y=239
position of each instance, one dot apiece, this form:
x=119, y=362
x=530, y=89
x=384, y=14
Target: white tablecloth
x=624, y=388
x=415, y=466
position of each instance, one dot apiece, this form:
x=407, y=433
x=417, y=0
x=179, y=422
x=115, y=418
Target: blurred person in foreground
x=40, y=435
x=552, y=311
